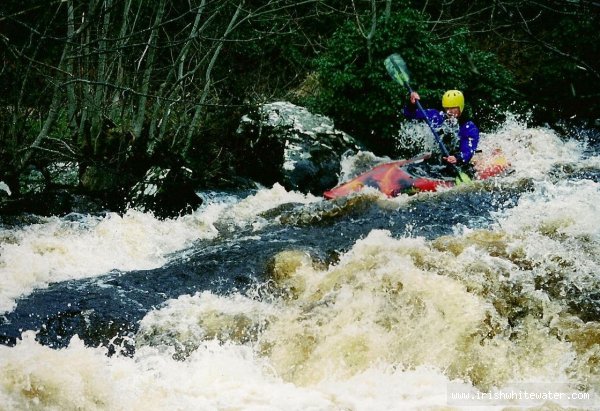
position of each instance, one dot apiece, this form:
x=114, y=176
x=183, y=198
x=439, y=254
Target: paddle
x=397, y=68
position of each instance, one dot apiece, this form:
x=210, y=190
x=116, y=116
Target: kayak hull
x=394, y=178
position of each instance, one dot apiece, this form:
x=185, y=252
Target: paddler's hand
x=450, y=159
x=414, y=96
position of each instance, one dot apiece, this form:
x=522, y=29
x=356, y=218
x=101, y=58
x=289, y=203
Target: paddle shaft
x=437, y=137
x=443, y=148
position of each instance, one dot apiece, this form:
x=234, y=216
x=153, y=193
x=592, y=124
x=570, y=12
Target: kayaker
x=459, y=134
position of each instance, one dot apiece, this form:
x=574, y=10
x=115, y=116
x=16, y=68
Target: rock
x=4, y=189
x=167, y=192
x=98, y=179
x=5, y=194
x=51, y=190
x=57, y=190
x=64, y=174
x=294, y=147
x=51, y=202
x=32, y=181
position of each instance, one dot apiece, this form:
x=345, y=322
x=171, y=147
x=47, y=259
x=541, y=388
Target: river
x=276, y=300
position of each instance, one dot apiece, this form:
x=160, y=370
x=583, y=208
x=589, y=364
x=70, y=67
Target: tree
x=115, y=85
x=549, y=46
x=357, y=92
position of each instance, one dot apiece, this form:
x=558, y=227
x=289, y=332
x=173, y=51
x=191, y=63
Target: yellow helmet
x=453, y=98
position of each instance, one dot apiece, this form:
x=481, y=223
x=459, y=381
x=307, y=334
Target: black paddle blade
x=397, y=68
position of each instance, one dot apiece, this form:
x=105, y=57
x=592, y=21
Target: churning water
x=275, y=300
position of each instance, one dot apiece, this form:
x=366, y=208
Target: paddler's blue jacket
x=468, y=133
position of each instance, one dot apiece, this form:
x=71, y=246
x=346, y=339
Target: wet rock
x=64, y=174
x=294, y=147
x=51, y=202
x=37, y=179
x=33, y=181
x=97, y=179
x=5, y=192
x=4, y=188
x=51, y=190
x=167, y=192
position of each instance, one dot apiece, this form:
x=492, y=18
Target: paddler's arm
x=410, y=111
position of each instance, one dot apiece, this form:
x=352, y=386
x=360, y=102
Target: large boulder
x=294, y=147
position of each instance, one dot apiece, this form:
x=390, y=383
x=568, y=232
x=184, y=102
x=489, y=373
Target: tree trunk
x=145, y=86
x=208, y=80
x=117, y=104
x=99, y=89
x=175, y=75
x=50, y=118
x=71, y=101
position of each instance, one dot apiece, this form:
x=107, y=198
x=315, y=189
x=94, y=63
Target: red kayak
x=396, y=178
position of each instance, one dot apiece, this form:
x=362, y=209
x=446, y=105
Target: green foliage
x=363, y=100
x=551, y=49
x=566, y=83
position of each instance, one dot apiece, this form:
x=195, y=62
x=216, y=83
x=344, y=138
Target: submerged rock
x=295, y=147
